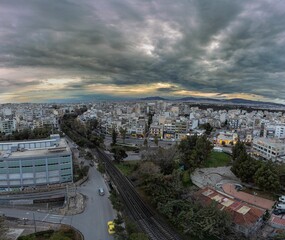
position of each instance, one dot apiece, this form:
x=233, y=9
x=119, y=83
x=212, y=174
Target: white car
x=280, y=206
x=282, y=199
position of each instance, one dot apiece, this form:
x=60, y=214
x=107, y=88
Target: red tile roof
x=242, y=213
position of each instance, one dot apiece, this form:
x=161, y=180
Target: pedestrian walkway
x=246, y=197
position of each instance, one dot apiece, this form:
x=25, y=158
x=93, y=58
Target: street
x=92, y=223
x=140, y=142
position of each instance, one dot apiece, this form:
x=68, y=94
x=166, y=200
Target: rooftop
x=269, y=141
x=242, y=213
x=62, y=146
x=249, y=198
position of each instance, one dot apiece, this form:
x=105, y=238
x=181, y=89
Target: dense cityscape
x=142, y=120
x=223, y=157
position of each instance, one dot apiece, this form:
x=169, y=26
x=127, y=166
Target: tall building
x=34, y=163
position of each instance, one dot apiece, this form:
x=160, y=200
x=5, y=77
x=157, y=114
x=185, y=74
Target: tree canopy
x=119, y=153
x=249, y=170
x=194, y=151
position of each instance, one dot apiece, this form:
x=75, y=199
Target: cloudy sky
x=131, y=48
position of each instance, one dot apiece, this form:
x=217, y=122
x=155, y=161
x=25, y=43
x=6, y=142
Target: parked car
x=238, y=187
x=280, y=206
x=111, y=227
x=279, y=211
x=282, y=199
x=101, y=191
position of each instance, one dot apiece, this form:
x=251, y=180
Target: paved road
x=92, y=223
x=140, y=142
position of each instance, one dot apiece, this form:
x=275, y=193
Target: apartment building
x=269, y=148
x=156, y=130
x=7, y=126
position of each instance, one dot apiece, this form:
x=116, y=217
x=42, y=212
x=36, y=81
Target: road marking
x=56, y=216
x=45, y=217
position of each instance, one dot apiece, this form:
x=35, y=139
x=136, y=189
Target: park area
x=218, y=159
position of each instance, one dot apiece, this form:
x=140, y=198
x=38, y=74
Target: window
x=52, y=164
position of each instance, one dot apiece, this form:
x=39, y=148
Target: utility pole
x=67, y=194
x=34, y=222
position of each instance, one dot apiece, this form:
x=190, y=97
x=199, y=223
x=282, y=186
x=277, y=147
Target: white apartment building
x=269, y=148
x=280, y=131
x=275, y=131
x=7, y=126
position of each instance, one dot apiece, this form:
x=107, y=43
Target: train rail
x=147, y=220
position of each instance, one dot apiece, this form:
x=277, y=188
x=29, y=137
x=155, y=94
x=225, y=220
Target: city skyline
x=130, y=49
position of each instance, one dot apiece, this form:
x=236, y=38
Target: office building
x=34, y=163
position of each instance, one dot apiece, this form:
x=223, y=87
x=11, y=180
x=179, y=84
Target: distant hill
x=237, y=101
x=156, y=98
x=231, y=101
x=199, y=99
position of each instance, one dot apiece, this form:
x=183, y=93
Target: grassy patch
x=186, y=179
x=64, y=233
x=127, y=167
x=127, y=147
x=218, y=159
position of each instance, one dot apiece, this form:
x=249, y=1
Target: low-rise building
x=226, y=138
x=156, y=130
x=269, y=148
x=246, y=219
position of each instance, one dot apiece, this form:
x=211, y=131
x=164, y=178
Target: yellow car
x=111, y=227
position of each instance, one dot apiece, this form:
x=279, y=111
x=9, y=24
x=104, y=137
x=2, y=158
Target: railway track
x=147, y=220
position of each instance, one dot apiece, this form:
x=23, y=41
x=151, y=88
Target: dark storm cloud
x=216, y=46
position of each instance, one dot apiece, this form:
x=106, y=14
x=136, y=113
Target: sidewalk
x=251, y=199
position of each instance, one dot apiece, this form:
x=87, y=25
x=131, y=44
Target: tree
x=3, y=229
x=123, y=132
x=119, y=153
x=238, y=149
x=114, y=136
x=194, y=151
x=166, y=159
x=266, y=177
x=246, y=168
x=156, y=140
x=93, y=124
x=147, y=168
x=149, y=121
x=207, y=127
x=204, y=222
x=96, y=140
x=145, y=142
x=116, y=201
x=187, y=145
x=138, y=236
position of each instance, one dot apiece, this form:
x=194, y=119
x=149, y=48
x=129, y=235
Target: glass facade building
x=34, y=163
